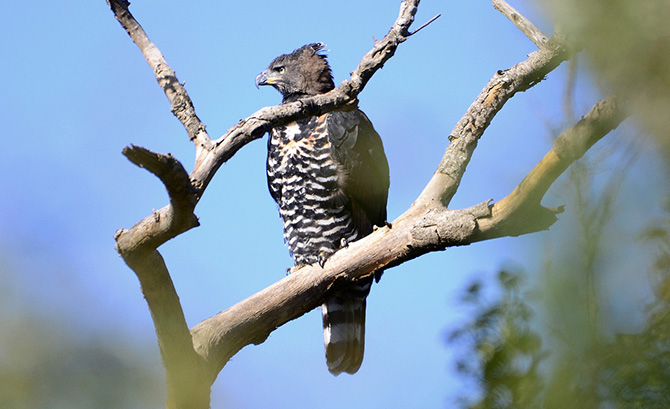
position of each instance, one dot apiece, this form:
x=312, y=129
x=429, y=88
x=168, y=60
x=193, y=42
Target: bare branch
x=188, y=382
x=181, y=104
x=526, y=26
x=422, y=26
x=255, y=126
x=218, y=338
x=168, y=169
x=384, y=49
x=520, y=212
x=465, y=135
x=411, y=235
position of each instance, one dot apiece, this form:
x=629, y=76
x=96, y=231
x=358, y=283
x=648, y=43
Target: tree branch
x=181, y=104
x=522, y=23
x=188, y=383
x=188, y=375
x=520, y=212
x=168, y=169
x=465, y=135
x=411, y=235
x=220, y=337
x=193, y=360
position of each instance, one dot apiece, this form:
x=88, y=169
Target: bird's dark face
x=278, y=76
x=303, y=72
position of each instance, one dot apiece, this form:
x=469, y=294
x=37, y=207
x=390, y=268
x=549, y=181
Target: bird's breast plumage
x=303, y=179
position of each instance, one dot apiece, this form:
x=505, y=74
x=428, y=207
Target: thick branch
x=188, y=382
x=173, y=219
x=168, y=169
x=186, y=372
x=411, y=235
x=218, y=338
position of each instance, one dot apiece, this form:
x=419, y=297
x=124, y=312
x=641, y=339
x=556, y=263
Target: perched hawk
x=330, y=178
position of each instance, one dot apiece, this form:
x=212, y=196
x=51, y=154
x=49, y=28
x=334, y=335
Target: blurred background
x=576, y=316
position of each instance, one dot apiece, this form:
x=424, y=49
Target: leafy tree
x=581, y=366
x=502, y=352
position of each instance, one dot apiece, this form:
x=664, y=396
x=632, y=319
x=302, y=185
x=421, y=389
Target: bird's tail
x=344, y=328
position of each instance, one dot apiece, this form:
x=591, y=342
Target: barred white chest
x=303, y=179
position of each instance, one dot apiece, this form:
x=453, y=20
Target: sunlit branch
x=181, y=104
x=465, y=135
x=520, y=212
x=188, y=375
x=526, y=26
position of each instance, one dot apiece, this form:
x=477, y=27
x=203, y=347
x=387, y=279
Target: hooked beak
x=262, y=79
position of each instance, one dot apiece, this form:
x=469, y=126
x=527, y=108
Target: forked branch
x=189, y=376
x=422, y=229
x=210, y=156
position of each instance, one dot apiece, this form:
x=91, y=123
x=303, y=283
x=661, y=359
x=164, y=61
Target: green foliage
x=627, y=45
x=505, y=354
x=637, y=366
x=503, y=351
x=576, y=360
x=630, y=370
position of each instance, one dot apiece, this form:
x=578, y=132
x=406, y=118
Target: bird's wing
x=364, y=171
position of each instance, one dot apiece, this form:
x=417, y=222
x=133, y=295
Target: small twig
x=526, y=26
x=425, y=24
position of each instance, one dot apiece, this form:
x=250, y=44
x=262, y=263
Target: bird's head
x=304, y=72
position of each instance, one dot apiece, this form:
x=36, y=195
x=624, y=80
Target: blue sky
x=77, y=90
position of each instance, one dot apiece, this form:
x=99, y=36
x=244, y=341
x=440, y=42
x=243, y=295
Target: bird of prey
x=330, y=177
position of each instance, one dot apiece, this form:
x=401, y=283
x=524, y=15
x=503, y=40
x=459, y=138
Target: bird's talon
x=322, y=260
x=344, y=243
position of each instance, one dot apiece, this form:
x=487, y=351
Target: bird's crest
x=303, y=72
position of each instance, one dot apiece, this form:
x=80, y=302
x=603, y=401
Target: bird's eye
x=280, y=69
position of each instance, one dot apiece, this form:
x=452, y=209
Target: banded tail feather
x=344, y=328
